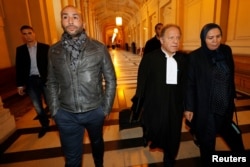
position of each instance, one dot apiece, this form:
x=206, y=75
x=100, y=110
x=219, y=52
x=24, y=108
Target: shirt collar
x=166, y=54
x=35, y=45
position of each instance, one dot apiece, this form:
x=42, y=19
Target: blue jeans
x=35, y=90
x=71, y=128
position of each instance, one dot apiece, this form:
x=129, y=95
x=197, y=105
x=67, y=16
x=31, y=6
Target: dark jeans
x=35, y=90
x=71, y=129
x=223, y=126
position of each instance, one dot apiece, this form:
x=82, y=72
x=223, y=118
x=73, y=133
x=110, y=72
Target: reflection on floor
x=123, y=148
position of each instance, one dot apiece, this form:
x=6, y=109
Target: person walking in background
x=76, y=96
x=31, y=73
x=160, y=81
x=210, y=93
x=153, y=43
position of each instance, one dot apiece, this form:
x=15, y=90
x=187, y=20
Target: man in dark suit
x=154, y=43
x=31, y=73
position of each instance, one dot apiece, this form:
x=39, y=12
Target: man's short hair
x=164, y=28
x=26, y=27
x=158, y=24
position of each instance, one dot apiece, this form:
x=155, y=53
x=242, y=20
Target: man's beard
x=76, y=33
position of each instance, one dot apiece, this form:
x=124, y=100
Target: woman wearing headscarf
x=210, y=93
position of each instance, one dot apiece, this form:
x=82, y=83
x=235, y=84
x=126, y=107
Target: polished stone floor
x=123, y=147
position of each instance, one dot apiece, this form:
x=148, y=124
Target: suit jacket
x=23, y=63
x=151, y=45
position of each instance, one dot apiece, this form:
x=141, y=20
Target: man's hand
x=20, y=91
x=188, y=115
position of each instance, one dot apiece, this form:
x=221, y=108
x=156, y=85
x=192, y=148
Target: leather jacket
x=81, y=90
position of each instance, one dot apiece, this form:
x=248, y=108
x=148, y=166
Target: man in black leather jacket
x=76, y=96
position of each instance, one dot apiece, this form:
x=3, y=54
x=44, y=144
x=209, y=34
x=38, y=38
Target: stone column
x=7, y=122
x=5, y=59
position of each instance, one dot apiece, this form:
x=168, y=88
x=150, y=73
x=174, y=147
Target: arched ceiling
x=105, y=11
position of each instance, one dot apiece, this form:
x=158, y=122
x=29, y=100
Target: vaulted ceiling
x=106, y=10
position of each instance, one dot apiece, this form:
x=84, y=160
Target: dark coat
x=151, y=45
x=199, y=84
x=163, y=104
x=23, y=63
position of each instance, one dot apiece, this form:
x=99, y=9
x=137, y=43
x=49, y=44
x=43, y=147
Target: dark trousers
x=35, y=90
x=168, y=159
x=71, y=129
x=223, y=126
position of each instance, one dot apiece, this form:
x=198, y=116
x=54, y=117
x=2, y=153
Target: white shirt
x=33, y=65
x=171, y=69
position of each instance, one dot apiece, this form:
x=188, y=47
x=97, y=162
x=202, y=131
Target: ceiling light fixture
x=118, y=21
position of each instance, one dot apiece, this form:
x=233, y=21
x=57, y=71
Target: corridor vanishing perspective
x=123, y=145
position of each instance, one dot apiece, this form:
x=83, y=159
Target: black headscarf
x=213, y=54
x=205, y=30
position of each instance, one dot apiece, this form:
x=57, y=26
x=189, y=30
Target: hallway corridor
x=123, y=147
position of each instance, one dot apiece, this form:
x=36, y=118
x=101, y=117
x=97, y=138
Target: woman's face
x=213, y=39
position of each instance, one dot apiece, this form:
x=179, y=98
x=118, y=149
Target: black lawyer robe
x=163, y=104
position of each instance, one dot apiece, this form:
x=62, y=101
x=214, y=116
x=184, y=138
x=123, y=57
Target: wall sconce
x=118, y=21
